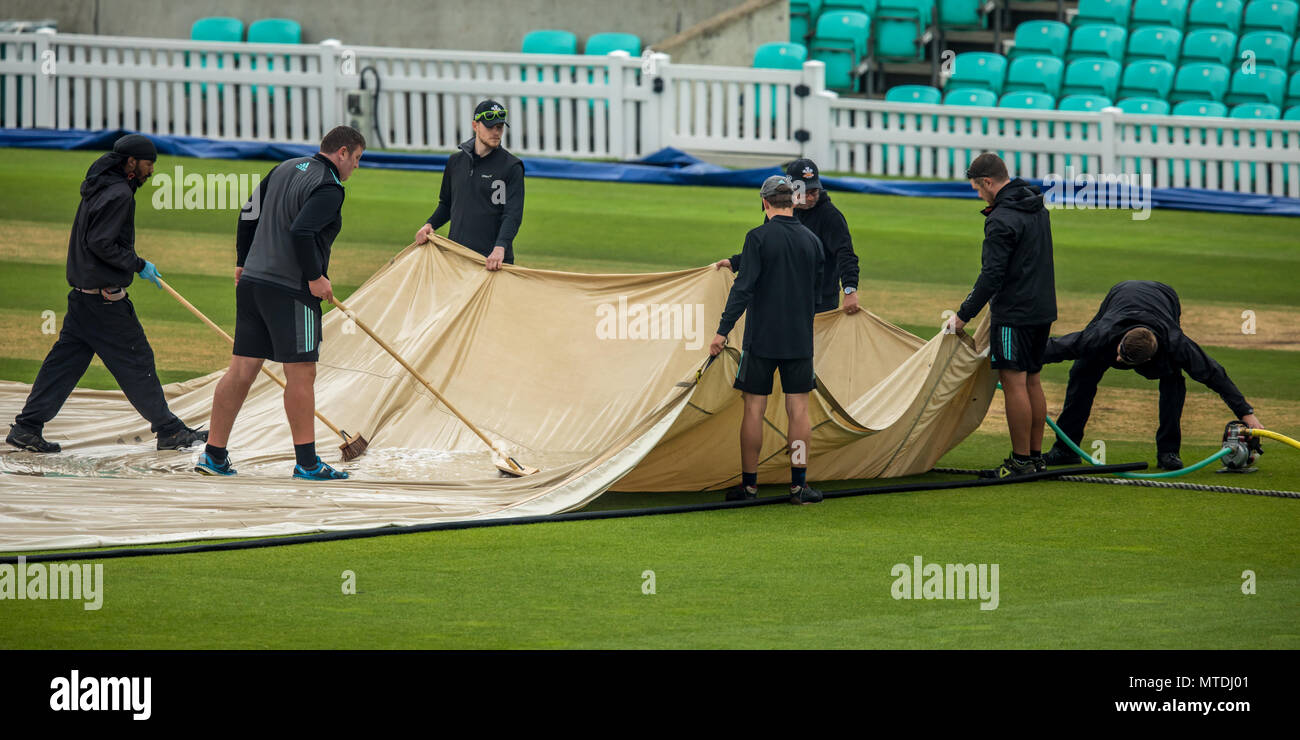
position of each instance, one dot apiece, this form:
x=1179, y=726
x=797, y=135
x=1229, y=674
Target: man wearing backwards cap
x=813, y=208
x=101, y=319
x=482, y=191
x=777, y=291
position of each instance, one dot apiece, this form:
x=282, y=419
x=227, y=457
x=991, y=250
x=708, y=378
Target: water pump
x=1243, y=448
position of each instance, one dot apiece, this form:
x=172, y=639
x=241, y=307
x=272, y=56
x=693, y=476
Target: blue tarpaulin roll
x=664, y=167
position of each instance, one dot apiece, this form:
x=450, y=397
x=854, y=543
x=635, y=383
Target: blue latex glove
x=151, y=274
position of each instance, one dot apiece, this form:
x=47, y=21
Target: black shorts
x=755, y=374
x=276, y=325
x=1018, y=347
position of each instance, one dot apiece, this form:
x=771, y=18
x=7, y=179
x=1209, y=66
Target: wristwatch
x=850, y=291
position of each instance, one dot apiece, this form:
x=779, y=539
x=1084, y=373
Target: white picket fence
x=875, y=138
x=603, y=107
x=611, y=106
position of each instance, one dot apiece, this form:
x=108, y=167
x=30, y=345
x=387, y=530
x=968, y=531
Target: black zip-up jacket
x=483, y=214
x=1135, y=303
x=777, y=290
x=101, y=248
x=841, y=266
x=1016, y=271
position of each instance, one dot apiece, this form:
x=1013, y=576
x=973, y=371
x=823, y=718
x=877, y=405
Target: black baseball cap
x=804, y=170
x=496, y=113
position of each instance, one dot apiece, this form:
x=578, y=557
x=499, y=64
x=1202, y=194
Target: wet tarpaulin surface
x=592, y=378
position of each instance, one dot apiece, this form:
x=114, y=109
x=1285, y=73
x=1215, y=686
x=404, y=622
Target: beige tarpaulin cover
x=591, y=378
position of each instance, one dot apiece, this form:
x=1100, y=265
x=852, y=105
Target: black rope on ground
x=352, y=534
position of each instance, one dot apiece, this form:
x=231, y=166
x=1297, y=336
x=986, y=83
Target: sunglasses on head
x=491, y=115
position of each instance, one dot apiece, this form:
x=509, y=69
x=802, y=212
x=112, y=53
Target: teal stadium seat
x=961, y=98
x=971, y=96
x=1253, y=112
x=1146, y=13
x=1218, y=14
x=1270, y=48
x=1213, y=45
x=979, y=70
x=1260, y=111
x=803, y=19
x=1200, y=81
x=965, y=14
x=1266, y=85
x=1154, y=42
x=841, y=44
x=780, y=55
x=547, y=41
x=1152, y=78
x=217, y=28
x=1028, y=101
x=860, y=6
x=1295, y=57
x=1270, y=15
x=777, y=55
x=1083, y=103
x=1144, y=106
x=1104, y=12
x=1201, y=108
x=1293, y=92
x=602, y=44
x=902, y=27
x=1097, y=41
x=1041, y=37
x=1292, y=113
x=1037, y=73
x=923, y=94
x=1093, y=77
x=275, y=31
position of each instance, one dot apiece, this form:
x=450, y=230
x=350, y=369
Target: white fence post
x=659, y=111
x=43, y=87
x=1108, y=140
x=616, y=78
x=816, y=118
x=329, y=94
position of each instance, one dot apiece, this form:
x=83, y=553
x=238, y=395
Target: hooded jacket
x=841, y=263
x=482, y=212
x=1016, y=272
x=101, y=248
x=1135, y=303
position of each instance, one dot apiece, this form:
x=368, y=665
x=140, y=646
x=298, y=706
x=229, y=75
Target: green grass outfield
x=1081, y=566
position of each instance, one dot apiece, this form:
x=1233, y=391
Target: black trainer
x=1013, y=468
x=1169, y=461
x=25, y=439
x=1061, y=456
x=741, y=493
x=1040, y=464
x=182, y=438
x=805, y=495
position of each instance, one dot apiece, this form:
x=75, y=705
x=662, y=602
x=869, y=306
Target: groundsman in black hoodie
x=1017, y=279
x=101, y=319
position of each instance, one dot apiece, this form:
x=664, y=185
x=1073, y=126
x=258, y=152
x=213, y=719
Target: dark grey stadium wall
x=464, y=24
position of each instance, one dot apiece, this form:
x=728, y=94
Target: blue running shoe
x=207, y=466
x=320, y=472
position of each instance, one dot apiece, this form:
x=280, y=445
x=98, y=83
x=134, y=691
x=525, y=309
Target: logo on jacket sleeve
x=302, y=166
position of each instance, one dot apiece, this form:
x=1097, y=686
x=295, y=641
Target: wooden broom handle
x=230, y=339
x=413, y=372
